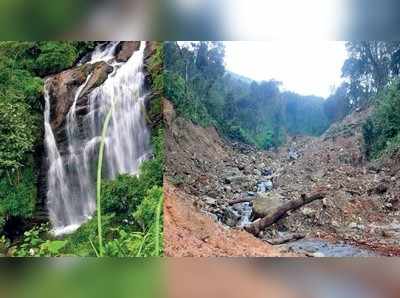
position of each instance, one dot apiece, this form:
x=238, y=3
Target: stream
x=322, y=248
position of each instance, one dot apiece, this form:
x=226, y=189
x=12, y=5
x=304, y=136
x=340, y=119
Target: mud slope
x=205, y=173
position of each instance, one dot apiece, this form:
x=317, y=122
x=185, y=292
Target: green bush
x=17, y=133
x=18, y=195
x=381, y=131
x=121, y=195
x=55, y=57
x=146, y=212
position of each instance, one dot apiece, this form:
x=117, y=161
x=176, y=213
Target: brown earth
x=361, y=207
x=189, y=233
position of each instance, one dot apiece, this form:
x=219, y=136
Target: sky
x=305, y=67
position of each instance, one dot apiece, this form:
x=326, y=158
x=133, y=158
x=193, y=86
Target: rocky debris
x=191, y=233
x=292, y=154
x=265, y=203
x=231, y=217
x=264, y=186
x=285, y=238
x=308, y=212
x=225, y=171
x=379, y=189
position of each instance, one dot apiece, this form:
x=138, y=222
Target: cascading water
x=71, y=176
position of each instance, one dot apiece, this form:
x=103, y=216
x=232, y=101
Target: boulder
x=308, y=212
x=231, y=217
x=260, y=166
x=63, y=87
x=266, y=203
x=264, y=186
x=266, y=172
x=236, y=179
x=125, y=50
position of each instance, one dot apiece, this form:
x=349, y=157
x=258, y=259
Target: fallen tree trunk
x=281, y=211
x=241, y=200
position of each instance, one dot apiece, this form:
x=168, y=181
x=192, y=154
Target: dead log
x=281, y=211
x=241, y=200
x=285, y=239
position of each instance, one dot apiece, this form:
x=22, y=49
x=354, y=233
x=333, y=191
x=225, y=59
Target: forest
x=258, y=113
x=131, y=220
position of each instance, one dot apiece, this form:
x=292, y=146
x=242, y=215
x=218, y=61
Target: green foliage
x=382, y=130
x=146, y=212
x=4, y=245
x=125, y=244
x=31, y=243
x=17, y=195
x=252, y=112
x=82, y=241
x=17, y=133
x=122, y=195
x=54, y=57
x=52, y=247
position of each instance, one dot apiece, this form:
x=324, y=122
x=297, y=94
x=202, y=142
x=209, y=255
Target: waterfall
x=71, y=175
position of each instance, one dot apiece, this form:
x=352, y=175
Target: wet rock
x=292, y=154
x=264, y=186
x=99, y=75
x=260, y=166
x=125, y=50
x=231, y=217
x=265, y=203
x=266, y=172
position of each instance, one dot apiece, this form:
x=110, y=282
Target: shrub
x=382, y=129
x=17, y=198
x=17, y=133
x=55, y=57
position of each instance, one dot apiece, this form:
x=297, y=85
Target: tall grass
x=98, y=182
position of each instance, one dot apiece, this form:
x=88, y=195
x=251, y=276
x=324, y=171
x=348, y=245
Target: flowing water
x=71, y=176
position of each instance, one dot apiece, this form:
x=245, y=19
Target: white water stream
x=71, y=176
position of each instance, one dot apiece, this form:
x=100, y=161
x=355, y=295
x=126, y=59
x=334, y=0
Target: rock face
x=125, y=50
x=63, y=86
x=265, y=203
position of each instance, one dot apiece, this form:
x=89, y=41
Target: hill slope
x=359, y=210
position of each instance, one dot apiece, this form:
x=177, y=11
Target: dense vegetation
x=22, y=66
x=253, y=112
x=131, y=205
x=259, y=113
x=372, y=71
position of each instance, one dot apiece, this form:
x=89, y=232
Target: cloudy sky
x=306, y=67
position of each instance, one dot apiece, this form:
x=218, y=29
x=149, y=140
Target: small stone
x=209, y=200
x=257, y=172
x=308, y=212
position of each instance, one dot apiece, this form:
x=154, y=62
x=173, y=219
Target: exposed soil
x=190, y=233
x=361, y=208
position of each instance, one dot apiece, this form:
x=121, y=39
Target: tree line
x=259, y=113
